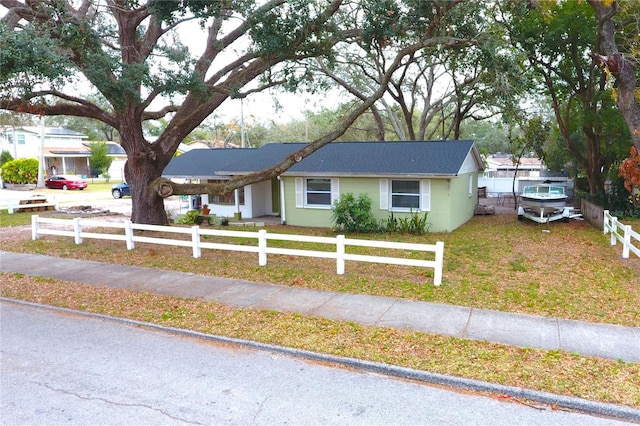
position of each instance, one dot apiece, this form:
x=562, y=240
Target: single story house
x=437, y=177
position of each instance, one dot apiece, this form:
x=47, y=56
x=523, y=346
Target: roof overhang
x=66, y=152
x=371, y=175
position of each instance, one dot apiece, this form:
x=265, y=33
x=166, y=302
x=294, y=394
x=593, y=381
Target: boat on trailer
x=545, y=203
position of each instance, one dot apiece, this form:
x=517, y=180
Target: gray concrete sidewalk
x=602, y=340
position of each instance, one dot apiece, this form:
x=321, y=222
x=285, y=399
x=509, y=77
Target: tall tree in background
x=620, y=66
x=99, y=159
x=555, y=38
x=435, y=90
x=128, y=52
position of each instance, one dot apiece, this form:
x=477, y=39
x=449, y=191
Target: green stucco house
x=438, y=177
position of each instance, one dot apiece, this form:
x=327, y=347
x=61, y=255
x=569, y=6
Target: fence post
x=437, y=271
x=606, y=221
x=262, y=247
x=195, y=239
x=128, y=233
x=627, y=241
x=614, y=229
x=77, y=230
x=34, y=227
x=340, y=254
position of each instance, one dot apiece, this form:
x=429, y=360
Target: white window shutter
x=335, y=190
x=425, y=195
x=384, y=194
x=470, y=185
x=299, y=193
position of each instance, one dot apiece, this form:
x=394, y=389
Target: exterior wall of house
x=450, y=203
x=116, y=171
x=464, y=190
x=26, y=144
x=257, y=202
x=260, y=199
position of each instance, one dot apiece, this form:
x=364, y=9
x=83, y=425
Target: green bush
x=353, y=215
x=20, y=171
x=5, y=157
x=414, y=224
x=189, y=218
x=617, y=200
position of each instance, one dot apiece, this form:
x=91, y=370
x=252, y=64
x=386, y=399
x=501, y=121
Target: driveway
x=97, y=200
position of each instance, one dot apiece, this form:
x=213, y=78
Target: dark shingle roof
x=435, y=158
x=199, y=163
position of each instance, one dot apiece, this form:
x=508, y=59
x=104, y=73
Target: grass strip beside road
x=557, y=372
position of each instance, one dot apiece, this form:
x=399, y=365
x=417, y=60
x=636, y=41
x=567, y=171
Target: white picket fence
x=262, y=248
x=623, y=233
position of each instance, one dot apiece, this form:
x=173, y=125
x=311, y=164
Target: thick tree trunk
x=142, y=168
x=621, y=68
x=147, y=205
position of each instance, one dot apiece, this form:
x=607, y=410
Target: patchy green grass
x=492, y=262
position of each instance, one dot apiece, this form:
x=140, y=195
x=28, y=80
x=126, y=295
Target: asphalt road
x=69, y=368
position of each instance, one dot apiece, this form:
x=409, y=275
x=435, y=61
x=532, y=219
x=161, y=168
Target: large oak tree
x=128, y=52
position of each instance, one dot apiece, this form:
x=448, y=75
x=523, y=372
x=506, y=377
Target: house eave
x=372, y=175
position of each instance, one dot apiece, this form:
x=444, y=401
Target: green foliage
x=20, y=171
x=413, y=224
x=617, y=200
x=353, y=215
x=29, y=56
x=5, y=157
x=99, y=158
x=189, y=218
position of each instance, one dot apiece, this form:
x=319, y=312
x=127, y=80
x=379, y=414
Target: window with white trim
x=405, y=195
x=317, y=192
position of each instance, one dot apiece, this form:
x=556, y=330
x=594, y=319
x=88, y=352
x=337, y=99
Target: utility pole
x=41, y=159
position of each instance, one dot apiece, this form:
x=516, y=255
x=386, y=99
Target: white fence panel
x=338, y=244
x=623, y=233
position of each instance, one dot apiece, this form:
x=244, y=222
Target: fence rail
x=621, y=232
x=262, y=248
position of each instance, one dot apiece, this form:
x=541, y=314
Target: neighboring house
x=503, y=165
x=65, y=151
x=437, y=177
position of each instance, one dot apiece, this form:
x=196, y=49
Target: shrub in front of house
x=21, y=171
x=354, y=215
x=414, y=224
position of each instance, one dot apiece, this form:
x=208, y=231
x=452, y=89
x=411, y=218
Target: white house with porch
x=65, y=151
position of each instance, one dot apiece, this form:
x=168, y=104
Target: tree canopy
x=126, y=63
x=129, y=56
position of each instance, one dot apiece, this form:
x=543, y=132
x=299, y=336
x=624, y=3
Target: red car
x=65, y=182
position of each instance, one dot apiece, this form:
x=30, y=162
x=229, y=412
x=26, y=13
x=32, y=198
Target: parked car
x=65, y=182
x=120, y=190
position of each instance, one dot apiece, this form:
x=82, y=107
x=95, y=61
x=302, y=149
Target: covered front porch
x=66, y=162
x=257, y=200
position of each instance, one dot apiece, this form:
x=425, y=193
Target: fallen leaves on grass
x=551, y=371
